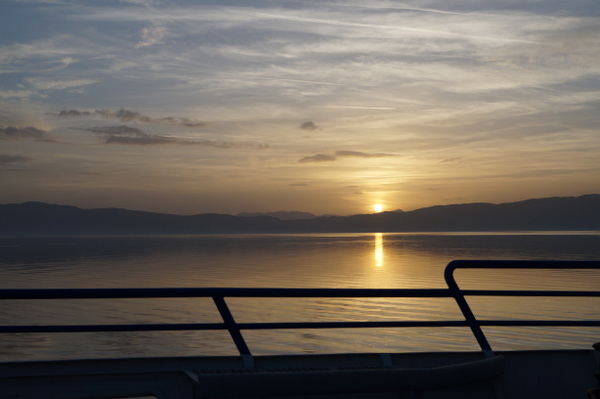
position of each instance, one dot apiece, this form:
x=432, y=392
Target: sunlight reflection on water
x=378, y=250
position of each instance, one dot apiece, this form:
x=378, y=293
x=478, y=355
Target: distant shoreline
x=549, y=233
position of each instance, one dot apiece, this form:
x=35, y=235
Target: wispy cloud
x=152, y=35
x=12, y=133
x=359, y=154
x=52, y=84
x=16, y=93
x=67, y=61
x=359, y=107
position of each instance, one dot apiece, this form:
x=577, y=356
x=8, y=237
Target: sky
x=329, y=107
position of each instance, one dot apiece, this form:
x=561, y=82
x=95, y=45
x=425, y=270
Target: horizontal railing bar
x=293, y=325
x=544, y=293
x=539, y=323
x=221, y=326
x=95, y=293
x=132, y=293
x=111, y=327
x=352, y=324
x=523, y=264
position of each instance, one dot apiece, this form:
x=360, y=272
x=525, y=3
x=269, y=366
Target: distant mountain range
x=282, y=215
x=557, y=213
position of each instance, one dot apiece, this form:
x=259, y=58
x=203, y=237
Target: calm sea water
x=304, y=261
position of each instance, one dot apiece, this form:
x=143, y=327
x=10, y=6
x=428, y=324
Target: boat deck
x=514, y=374
x=548, y=374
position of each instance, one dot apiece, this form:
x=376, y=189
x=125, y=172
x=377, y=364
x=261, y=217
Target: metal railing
x=475, y=324
x=235, y=328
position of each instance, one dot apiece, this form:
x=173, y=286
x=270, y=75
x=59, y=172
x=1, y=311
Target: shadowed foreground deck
x=518, y=374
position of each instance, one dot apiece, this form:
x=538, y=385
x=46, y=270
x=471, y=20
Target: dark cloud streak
x=126, y=115
x=318, y=158
x=117, y=130
x=12, y=133
x=6, y=159
x=133, y=136
x=341, y=154
x=358, y=154
x=310, y=125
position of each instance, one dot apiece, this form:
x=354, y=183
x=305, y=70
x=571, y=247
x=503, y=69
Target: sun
x=378, y=208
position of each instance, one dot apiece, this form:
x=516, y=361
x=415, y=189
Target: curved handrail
x=475, y=324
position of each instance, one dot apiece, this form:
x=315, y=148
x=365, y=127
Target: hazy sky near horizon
x=319, y=106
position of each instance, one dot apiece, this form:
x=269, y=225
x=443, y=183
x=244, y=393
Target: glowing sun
x=378, y=208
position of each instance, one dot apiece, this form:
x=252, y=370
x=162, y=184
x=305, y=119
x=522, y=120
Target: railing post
x=234, y=330
x=466, y=309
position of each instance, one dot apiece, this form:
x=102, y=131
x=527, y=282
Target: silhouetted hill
x=559, y=213
x=36, y=218
x=281, y=215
